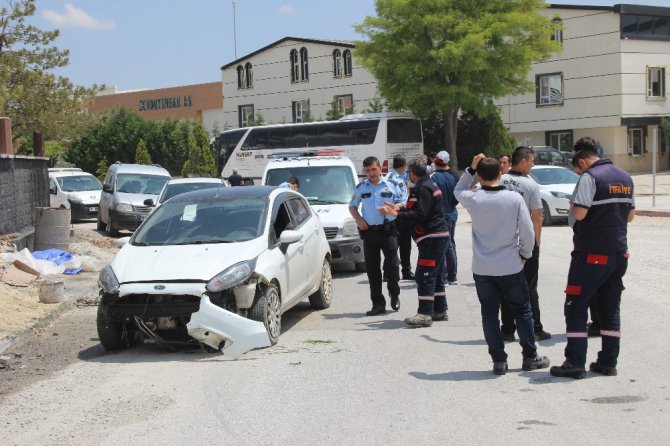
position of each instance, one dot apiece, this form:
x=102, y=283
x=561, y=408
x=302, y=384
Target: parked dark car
x=548, y=156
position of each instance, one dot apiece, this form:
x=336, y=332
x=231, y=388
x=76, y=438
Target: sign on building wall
x=164, y=103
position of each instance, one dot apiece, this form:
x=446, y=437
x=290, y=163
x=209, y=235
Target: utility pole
x=234, y=28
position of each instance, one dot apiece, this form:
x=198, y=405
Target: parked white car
x=557, y=185
x=327, y=182
x=206, y=260
x=182, y=185
x=71, y=188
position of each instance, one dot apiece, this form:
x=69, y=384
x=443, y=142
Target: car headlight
x=231, y=276
x=123, y=207
x=560, y=194
x=349, y=228
x=108, y=281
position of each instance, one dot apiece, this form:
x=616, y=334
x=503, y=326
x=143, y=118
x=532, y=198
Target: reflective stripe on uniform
x=577, y=334
x=426, y=262
x=573, y=290
x=611, y=333
x=427, y=298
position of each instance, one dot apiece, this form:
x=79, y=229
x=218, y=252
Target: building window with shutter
x=295, y=66
x=300, y=109
x=635, y=141
x=246, y=115
x=304, y=65
x=549, y=89
x=240, y=77
x=249, y=74
x=655, y=82
x=337, y=63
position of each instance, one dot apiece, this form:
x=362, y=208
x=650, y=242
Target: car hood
x=135, y=199
x=182, y=262
x=85, y=196
x=332, y=215
x=565, y=188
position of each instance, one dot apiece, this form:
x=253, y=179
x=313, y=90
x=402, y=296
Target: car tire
x=109, y=228
x=113, y=334
x=546, y=215
x=267, y=309
x=360, y=267
x=321, y=299
x=99, y=225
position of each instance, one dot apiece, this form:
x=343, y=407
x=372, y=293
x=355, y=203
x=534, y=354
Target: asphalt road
x=339, y=377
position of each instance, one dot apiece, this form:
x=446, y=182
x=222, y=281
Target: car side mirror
x=149, y=202
x=52, y=191
x=107, y=188
x=289, y=236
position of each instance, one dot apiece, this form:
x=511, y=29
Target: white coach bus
x=357, y=136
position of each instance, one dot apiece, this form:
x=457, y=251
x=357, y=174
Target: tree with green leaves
x=142, y=154
x=500, y=141
x=307, y=116
x=40, y=104
x=444, y=56
x=101, y=169
x=665, y=126
x=376, y=105
x=200, y=162
x=334, y=113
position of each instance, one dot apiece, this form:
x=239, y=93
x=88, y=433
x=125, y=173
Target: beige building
x=200, y=102
x=609, y=82
x=287, y=78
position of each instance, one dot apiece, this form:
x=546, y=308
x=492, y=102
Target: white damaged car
x=221, y=265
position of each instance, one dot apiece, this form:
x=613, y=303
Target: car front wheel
x=546, y=215
x=113, y=334
x=267, y=309
x=324, y=295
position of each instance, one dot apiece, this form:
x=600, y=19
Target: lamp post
x=234, y=28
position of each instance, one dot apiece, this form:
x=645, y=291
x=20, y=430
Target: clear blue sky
x=165, y=43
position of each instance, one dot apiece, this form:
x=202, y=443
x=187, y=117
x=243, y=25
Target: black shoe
x=542, y=335
x=538, y=362
x=499, y=367
x=593, y=330
x=408, y=275
x=376, y=310
x=597, y=367
x=395, y=302
x=441, y=316
x=508, y=337
x=567, y=370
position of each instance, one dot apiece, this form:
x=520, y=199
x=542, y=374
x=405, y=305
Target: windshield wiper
x=203, y=242
x=327, y=202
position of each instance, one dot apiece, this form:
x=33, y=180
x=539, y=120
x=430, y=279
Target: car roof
x=195, y=180
x=327, y=160
x=549, y=166
x=139, y=168
x=68, y=173
x=223, y=193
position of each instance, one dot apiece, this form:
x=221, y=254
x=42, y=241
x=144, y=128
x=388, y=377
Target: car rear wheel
x=113, y=334
x=99, y=225
x=267, y=310
x=546, y=215
x=324, y=295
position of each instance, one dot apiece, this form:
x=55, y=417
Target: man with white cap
x=447, y=181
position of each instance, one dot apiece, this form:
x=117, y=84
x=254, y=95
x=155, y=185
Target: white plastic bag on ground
x=44, y=267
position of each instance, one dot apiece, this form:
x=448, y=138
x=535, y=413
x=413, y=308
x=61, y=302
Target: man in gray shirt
x=518, y=179
x=502, y=240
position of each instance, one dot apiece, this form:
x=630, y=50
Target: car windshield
x=78, y=183
x=182, y=222
x=137, y=183
x=319, y=184
x=179, y=188
x=546, y=176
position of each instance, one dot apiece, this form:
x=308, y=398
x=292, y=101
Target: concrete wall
x=24, y=185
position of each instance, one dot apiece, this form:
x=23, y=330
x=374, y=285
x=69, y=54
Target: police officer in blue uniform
x=603, y=206
x=397, y=177
x=378, y=233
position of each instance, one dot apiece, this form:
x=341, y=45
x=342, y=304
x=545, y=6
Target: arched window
x=347, y=62
x=557, y=24
x=304, y=72
x=337, y=63
x=249, y=75
x=295, y=66
x=240, y=76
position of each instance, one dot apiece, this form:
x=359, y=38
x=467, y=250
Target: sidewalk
x=646, y=202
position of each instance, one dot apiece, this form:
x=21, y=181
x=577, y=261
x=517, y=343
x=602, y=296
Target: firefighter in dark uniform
x=378, y=233
x=602, y=207
x=426, y=210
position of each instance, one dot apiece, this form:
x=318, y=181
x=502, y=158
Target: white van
x=327, y=182
x=70, y=188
